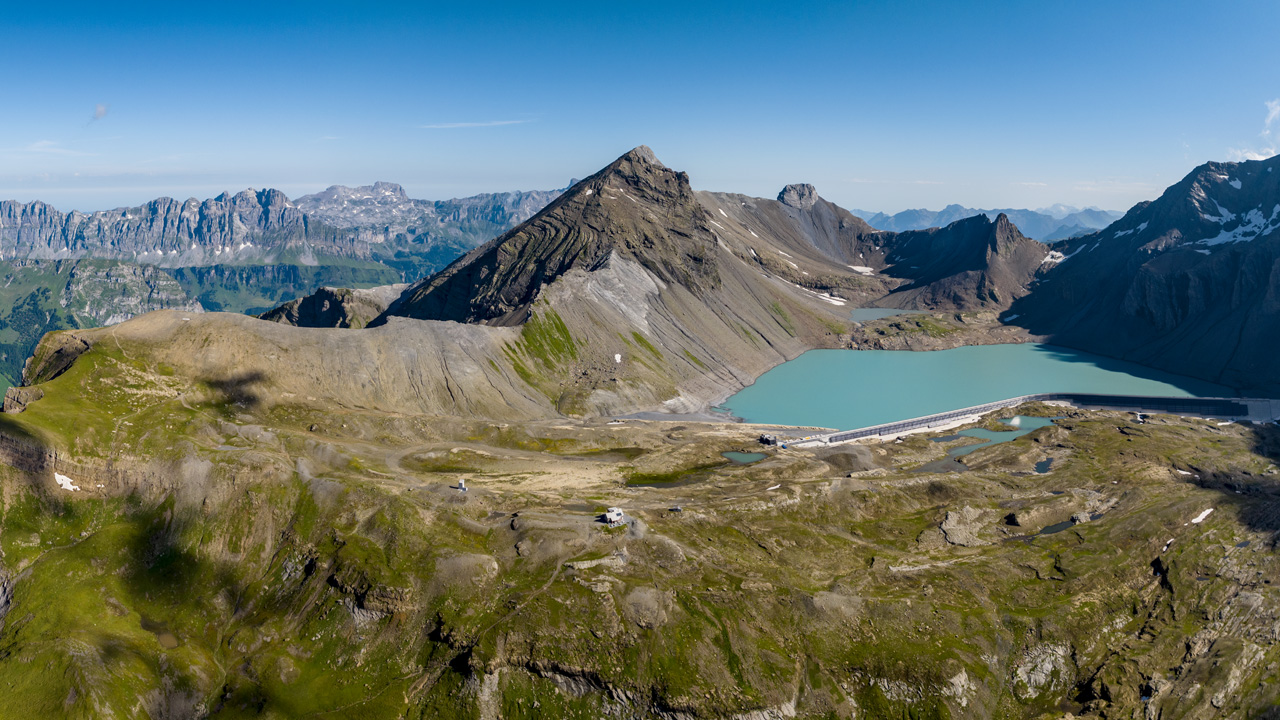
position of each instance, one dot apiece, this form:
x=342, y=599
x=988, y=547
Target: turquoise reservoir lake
x=847, y=389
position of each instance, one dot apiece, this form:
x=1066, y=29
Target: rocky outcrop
x=801, y=197
x=961, y=527
x=336, y=307
x=53, y=356
x=16, y=399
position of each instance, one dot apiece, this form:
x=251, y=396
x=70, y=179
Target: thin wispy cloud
x=1269, y=146
x=869, y=181
x=488, y=123
x=46, y=147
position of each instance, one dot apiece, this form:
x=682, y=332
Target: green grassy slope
x=238, y=562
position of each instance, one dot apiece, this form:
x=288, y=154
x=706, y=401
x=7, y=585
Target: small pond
x=1021, y=424
x=743, y=458
x=164, y=636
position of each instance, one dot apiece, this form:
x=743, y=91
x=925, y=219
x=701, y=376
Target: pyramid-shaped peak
x=641, y=154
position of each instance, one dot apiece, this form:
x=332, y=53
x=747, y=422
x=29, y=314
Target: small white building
x=613, y=516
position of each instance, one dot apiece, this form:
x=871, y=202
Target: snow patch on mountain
x=1252, y=226
x=1223, y=217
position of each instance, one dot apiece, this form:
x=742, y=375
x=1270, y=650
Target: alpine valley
x=382, y=497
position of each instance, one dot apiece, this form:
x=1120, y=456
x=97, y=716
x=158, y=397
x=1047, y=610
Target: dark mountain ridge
x=660, y=224
x=1189, y=282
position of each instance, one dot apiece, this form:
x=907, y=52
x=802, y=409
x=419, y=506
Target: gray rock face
x=16, y=399
x=336, y=307
x=961, y=527
x=108, y=293
x=251, y=225
x=801, y=196
x=256, y=226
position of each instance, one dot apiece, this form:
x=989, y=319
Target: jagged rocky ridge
x=263, y=226
x=250, y=225
x=1188, y=283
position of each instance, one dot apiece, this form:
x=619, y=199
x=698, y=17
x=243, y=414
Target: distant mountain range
x=387, y=212
x=243, y=252
x=1056, y=222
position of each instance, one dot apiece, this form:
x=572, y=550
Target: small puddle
x=167, y=639
x=743, y=458
x=1056, y=527
x=1244, y=544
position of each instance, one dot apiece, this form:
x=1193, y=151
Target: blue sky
x=881, y=105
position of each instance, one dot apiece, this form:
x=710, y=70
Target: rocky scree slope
x=1188, y=283
x=664, y=229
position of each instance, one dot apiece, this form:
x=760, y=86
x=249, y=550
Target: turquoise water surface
x=847, y=389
